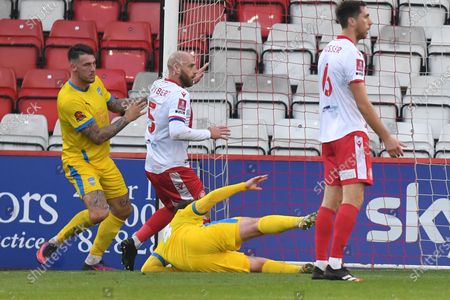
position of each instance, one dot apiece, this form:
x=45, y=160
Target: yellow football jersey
x=77, y=108
x=172, y=247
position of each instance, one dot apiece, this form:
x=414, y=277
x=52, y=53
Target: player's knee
x=98, y=215
x=127, y=210
x=123, y=212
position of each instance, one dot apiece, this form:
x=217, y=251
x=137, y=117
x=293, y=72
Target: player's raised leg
x=250, y=228
x=175, y=188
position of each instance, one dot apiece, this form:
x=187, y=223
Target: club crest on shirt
x=99, y=91
x=79, y=116
x=91, y=180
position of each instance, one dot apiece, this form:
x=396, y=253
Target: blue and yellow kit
x=87, y=166
x=191, y=246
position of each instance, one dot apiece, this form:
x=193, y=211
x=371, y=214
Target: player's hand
x=139, y=99
x=252, y=183
x=134, y=110
x=200, y=73
x=219, y=132
x=394, y=147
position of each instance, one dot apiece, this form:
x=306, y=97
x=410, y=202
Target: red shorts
x=347, y=160
x=176, y=186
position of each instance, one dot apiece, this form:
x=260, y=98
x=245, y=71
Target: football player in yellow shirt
x=190, y=246
x=83, y=104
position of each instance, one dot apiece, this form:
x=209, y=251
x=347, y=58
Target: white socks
x=137, y=242
x=92, y=259
x=335, y=263
x=321, y=264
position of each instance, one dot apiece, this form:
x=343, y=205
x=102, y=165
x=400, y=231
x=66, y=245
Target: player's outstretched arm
x=121, y=105
x=101, y=135
x=154, y=265
x=206, y=203
x=393, y=146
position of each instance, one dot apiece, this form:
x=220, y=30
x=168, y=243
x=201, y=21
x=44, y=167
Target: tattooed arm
x=121, y=105
x=101, y=135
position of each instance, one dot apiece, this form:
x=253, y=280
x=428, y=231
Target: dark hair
x=348, y=9
x=79, y=49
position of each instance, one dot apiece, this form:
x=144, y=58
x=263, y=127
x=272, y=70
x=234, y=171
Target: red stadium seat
x=21, y=44
x=114, y=81
x=144, y=11
x=265, y=12
x=8, y=91
x=39, y=93
x=127, y=46
x=100, y=11
x=203, y=16
x=65, y=34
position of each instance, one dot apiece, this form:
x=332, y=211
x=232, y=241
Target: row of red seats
x=202, y=13
x=100, y=11
x=40, y=88
x=125, y=45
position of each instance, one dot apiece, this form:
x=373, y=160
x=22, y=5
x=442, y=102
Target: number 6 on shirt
x=327, y=89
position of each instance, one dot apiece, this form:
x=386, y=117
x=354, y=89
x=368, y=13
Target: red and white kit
x=343, y=130
x=168, y=134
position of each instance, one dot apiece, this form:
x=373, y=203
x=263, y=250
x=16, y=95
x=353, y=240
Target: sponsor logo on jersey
x=79, y=116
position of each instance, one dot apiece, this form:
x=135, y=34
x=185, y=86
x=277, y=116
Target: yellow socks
x=272, y=266
x=78, y=223
x=107, y=231
x=277, y=224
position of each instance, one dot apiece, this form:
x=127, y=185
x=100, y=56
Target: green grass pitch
x=378, y=285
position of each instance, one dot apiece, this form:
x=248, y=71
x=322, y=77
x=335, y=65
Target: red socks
x=155, y=223
x=324, y=228
x=343, y=227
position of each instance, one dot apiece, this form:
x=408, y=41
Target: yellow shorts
x=91, y=176
x=212, y=248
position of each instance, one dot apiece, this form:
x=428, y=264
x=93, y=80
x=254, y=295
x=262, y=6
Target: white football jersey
x=340, y=64
x=167, y=102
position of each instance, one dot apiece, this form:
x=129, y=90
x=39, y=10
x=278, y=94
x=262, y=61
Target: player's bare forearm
x=367, y=110
x=206, y=203
x=101, y=135
x=117, y=105
x=121, y=105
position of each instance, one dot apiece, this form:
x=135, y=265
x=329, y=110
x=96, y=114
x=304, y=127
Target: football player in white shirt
x=345, y=111
x=169, y=132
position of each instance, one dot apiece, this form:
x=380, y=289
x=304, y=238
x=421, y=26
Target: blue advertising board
x=404, y=219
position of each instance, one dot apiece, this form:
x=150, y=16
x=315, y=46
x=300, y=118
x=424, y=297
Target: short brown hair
x=348, y=9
